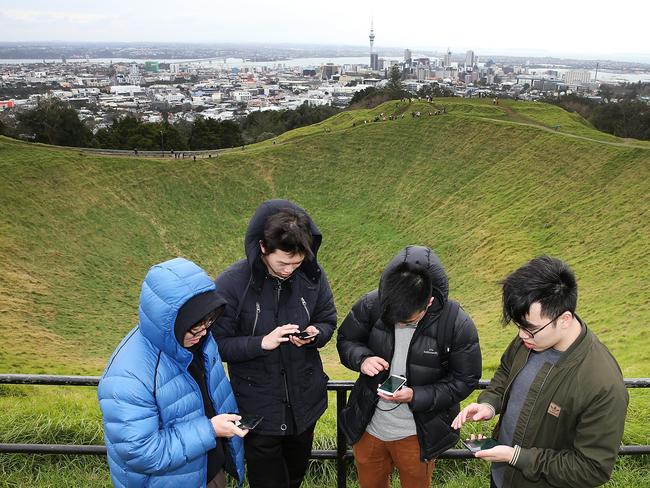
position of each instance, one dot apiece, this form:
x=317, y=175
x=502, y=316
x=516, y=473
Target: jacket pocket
x=250, y=375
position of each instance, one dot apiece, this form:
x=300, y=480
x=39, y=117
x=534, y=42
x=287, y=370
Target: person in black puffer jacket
x=277, y=291
x=394, y=331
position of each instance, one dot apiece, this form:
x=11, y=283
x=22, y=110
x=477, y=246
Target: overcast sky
x=577, y=27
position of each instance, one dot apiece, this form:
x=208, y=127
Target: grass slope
x=487, y=186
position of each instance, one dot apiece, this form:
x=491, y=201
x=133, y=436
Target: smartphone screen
x=391, y=385
x=249, y=422
x=480, y=444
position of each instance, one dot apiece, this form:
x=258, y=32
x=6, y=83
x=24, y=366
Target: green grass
x=488, y=187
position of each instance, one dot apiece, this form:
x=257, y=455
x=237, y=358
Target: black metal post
x=341, y=443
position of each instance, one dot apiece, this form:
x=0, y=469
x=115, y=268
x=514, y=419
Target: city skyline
x=579, y=30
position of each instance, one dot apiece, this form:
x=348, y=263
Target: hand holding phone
x=304, y=335
x=391, y=385
x=224, y=425
x=249, y=422
x=277, y=336
x=300, y=338
x=476, y=445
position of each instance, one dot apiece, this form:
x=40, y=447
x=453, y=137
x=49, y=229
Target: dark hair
x=289, y=231
x=405, y=291
x=546, y=280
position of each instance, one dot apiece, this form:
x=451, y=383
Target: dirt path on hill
x=626, y=144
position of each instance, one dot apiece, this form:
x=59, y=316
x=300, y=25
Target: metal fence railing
x=341, y=454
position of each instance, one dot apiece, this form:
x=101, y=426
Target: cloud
x=38, y=16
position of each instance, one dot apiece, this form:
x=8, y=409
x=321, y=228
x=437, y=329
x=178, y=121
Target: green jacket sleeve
x=494, y=393
x=598, y=436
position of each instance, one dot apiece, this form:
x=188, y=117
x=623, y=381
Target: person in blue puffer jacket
x=168, y=409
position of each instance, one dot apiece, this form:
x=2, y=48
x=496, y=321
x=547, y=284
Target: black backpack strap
x=445, y=332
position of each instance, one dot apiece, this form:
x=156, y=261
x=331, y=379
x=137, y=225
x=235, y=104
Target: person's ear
x=262, y=248
x=565, y=319
x=430, y=302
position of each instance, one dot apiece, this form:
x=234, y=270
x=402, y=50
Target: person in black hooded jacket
x=394, y=331
x=279, y=290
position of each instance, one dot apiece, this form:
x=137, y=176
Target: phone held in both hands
x=249, y=422
x=392, y=385
x=476, y=445
x=303, y=334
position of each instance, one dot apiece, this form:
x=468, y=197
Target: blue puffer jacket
x=155, y=428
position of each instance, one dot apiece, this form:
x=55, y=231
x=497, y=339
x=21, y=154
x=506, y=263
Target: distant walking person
x=276, y=292
x=165, y=399
x=408, y=328
x=559, y=391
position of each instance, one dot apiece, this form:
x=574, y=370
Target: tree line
x=54, y=122
x=619, y=112
x=394, y=90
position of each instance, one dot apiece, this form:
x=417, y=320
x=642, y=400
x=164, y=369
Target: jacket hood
x=255, y=233
x=195, y=309
x=168, y=288
x=425, y=258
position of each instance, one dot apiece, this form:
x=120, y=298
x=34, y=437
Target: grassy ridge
x=78, y=233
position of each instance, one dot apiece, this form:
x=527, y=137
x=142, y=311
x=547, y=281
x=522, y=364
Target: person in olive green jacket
x=559, y=392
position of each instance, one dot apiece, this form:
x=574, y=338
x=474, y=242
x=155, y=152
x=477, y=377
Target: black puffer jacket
x=286, y=385
x=436, y=392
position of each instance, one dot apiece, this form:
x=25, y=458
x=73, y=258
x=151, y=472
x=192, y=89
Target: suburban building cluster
x=154, y=90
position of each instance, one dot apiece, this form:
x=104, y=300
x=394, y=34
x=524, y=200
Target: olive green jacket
x=571, y=425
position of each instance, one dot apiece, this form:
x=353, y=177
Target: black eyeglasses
x=205, y=324
x=530, y=334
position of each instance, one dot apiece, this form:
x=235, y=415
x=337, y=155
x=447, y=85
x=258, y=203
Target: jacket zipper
x=304, y=305
x=541, y=387
x=257, y=315
x=284, y=374
x=507, y=390
x=286, y=387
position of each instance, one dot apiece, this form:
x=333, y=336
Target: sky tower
x=374, y=63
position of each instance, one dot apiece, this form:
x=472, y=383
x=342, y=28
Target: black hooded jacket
x=436, y=392
x=286, y=385
x=189, y=314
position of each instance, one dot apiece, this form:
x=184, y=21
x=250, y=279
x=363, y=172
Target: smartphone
x=480, y=444
x=248, y=422
x=391, y=385
x=304, y=335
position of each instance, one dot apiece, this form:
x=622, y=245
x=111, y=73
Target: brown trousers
x=375, y=460
x=218, y=481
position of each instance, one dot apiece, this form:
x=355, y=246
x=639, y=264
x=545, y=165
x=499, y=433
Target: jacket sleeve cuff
x=521, y=458
x=491, y=407
x=486, y=398
x=412, y=404
x=207, y=436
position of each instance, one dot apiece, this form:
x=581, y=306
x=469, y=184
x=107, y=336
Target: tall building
x=328, y=70
x=408, y=61
x=374, y=61
x=151, y=66
x=469, y=59
x=446, y=62
x=577, y=77
x=134, y=74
